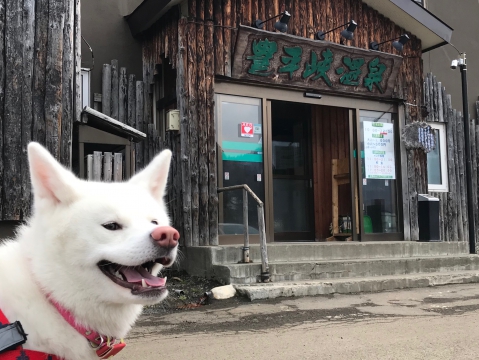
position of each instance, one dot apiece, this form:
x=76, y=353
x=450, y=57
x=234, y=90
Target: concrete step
x=291, y=252
x=335, y=269
x=355, y=285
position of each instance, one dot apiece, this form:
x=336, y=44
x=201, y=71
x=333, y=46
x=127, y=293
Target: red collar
x=105, y=346
x=19, y=353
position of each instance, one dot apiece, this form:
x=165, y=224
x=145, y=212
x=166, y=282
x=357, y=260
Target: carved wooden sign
x=284, y=59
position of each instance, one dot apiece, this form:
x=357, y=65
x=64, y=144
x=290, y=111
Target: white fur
x=58, y=250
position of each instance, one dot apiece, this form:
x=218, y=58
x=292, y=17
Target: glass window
x=437, y=160
x=240, y=150
x=378, y=159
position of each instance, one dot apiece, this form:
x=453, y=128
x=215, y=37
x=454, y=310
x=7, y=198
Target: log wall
x=454, y=218
x=39, y=90
x=200, y=44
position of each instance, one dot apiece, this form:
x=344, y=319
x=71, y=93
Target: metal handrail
x=261, y=225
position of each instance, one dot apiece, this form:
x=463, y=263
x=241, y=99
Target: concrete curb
x=354, y=285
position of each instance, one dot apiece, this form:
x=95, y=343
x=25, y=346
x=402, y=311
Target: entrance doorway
x=293, y=206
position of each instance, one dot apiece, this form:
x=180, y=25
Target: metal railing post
x=262, y=228
x=262, y=244
x=246, y=227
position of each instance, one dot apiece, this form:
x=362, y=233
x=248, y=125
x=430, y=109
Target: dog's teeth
x=143, y=283
x=155, y=269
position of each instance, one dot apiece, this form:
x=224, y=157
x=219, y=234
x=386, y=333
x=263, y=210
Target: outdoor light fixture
x=461, y=62
x=281, y=25
x=347, y=33
x=398, y=43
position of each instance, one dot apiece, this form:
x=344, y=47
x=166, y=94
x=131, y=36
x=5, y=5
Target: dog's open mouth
x=140, y=279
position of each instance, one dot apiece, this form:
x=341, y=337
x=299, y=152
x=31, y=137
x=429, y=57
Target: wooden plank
x=39, y=75
x=27, y=101
x=195, y=110
x=107, y=166
x=457, y=160
x=210, y=65
x=218, y=38
x=115, y=89
x=452, y=229
x=2, y=95
x=227, y=21
x=436, y=98
x=462, y=173
x=53, y=95
x=12, y=116
x=106, y=90
x=427, y=96
x=97, y=165
x=244, y=68
x=68, y=76
x=131, y=118
x=476, y=170
x=440, y=103
x=123, y=96
x=200, y=183
x=472, y=132
x=78, y=43
x=89, y=167
x=118, y=167
x=139, y=123
x=182, y=82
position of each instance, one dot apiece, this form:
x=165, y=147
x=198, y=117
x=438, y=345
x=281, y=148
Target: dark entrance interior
x=293, y=205
x=330, y=135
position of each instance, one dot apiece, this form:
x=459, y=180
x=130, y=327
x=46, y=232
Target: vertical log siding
x=201, y=45
x=39, y=90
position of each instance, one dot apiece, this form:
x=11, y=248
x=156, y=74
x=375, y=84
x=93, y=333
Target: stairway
x=298, y=269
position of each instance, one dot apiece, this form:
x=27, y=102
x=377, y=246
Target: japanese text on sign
x=318, y=66
x=379, y=150
x=289, y=60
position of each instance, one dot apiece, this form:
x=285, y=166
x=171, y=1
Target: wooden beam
x=106, y=90
x=115, y=89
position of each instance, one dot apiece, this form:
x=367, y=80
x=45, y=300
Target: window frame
x=444, y=187
x=85, y=86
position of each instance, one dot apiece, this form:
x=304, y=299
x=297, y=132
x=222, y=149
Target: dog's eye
x=154, y=222
x=112, y=226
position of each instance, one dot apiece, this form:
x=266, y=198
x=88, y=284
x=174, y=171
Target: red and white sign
x=247, y=129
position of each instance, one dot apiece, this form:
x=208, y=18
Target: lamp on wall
x=347, y=33
x=281, y=25
x=398, y=43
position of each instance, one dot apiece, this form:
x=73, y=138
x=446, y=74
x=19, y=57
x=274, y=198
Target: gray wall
x=106, y=30
x=462, y=16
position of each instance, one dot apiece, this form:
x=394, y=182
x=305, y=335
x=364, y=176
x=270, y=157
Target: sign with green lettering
x=284, y=59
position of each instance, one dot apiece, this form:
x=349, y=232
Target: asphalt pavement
x=429, y=323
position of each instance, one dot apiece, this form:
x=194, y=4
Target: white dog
x=79, y=273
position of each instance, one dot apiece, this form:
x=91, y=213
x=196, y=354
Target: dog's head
x=104, y=241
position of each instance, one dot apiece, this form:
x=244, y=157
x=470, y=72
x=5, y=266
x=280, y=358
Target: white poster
x=379, y=150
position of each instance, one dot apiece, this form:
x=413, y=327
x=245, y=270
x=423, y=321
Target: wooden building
x=314, y=127
x=295, y=118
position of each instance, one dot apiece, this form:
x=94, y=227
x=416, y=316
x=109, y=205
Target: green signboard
x=283, y=59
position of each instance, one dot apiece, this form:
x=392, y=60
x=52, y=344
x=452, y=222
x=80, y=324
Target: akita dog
x=79, y=272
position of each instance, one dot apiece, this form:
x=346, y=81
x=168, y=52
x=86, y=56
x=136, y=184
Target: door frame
x=354, y=104
x=399, y=172
x=270, y=185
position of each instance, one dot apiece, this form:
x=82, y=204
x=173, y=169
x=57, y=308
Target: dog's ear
x=50, y=180
x=155, y=176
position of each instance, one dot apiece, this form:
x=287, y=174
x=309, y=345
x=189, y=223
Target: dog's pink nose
x=166, y=236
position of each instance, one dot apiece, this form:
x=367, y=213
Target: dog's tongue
x=137, y=274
